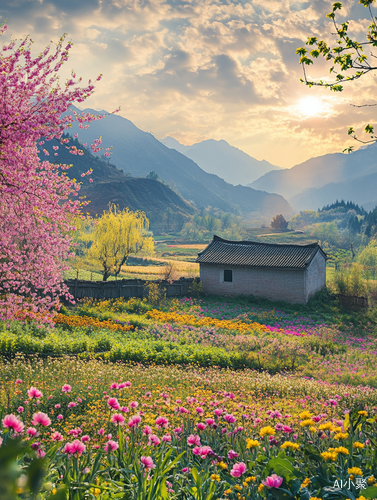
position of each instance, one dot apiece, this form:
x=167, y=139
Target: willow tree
x=117, y=234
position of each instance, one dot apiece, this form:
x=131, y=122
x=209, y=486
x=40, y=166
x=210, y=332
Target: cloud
x=199, y=69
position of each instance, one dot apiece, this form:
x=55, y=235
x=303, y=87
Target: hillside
x=139, y=153
x=362, y=190
x=112, y=185
x=224, y=160
x=320, y=171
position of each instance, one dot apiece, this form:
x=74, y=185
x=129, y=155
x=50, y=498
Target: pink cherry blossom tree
x=37, y=203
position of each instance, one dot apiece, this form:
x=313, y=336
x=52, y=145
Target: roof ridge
x=247, y=242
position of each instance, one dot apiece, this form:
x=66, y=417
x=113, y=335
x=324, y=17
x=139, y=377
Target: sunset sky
x=201, y=69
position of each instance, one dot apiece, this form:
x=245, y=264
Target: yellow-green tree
x=117, y=234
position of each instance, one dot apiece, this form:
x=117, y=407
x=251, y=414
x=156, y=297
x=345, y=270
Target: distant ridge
x=139, y=152
x=224, y=160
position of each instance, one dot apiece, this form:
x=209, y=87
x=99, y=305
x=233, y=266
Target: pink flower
x=218, y=412
x=31, y=431
x=85, y=438
x=193, y=440
x=183, y=410
x=113, y=403
x=20, y=409
x=72, y=405
x=199, y=410
x=273, y=481
x=238, y=469
x=75, y=447
x=134, y=421
x=117, y=419
x=134, y=404
x=41, y=418
x=57, y=406
x=56, y=436
x=101, y=432
x=155, y=440
x=41, y=453
x=18, y=381
x=12, y=422
x=205, y=451
x=147, y=431
x=147, y=463
x=201, y=427
x=166, y=438
x=232, y=454
x=114, y=385
x=33, y=392
x=60, y=417
x=66, y=388
x=111, y=446
x=124, y=409
x=162, y=422
x=230, y=418
x=210, y=421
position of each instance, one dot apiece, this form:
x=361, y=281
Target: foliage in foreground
x=112, y=431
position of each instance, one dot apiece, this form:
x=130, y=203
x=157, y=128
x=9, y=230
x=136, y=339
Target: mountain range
x=224, y=160
x=323, y=179
x=139, y=153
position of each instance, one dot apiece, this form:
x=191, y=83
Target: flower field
x=189, y=400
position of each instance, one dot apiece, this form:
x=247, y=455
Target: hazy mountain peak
x=220, y=158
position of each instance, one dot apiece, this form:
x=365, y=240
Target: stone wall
x=273, y=284
x=316, y=275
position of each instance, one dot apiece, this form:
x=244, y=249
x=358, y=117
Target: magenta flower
x=85, y=439
x=201, y=427
x=41, y=418
x=232, y=455
x=111, y=446
x=72, y=404
x=199, y=410
x=33, y=392
x=66, y=388
x=56, y=436
x=134, y=421
x=113, y=403
x=12, y=422
x=31, y=431
x=147, y=463
x=182, y=409
x=134, y=404
x=218, y=412
x=18, y=381
x=193, y=440
x=101, y=432
x=147, y=431
x=117, y=419
x=166, y=438
x=273, y=481
x=124, y=409
x=41, y=453
x=114, y=385
x=162, y=422
x=210, y=421
x=20, y=409
x=155, y=440
x=230, y=418
x=238, y=469
x=60, y=417
x=57, y=406
x=205, y=451
x=75, y=447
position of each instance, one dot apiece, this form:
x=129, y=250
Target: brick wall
x=273, y=284
x=316, y=275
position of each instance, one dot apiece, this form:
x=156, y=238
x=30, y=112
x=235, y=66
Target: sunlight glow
x=311, y=106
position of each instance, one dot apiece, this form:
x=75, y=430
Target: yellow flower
x=290, y=445
x=357, y=445
x=305, y=482
x=305, y=415
x=341, y=435
x=370, y=480
x=315, y=498
x=228, y=492
x=267, y=431
x=363, y=412
x=215, y=477
x=329, y=455
x=252, y=443
x=356, y=471
x=313, y=429
x=340, y=449
x=306, y=423
x=326, y=426
x=361, y=498
x=222, y=465
x=250, y=479
x=237, y=487
x=261, y=488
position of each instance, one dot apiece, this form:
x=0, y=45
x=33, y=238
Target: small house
x=291, y=273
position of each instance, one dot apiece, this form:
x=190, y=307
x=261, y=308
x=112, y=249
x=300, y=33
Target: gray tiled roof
x=256, y=254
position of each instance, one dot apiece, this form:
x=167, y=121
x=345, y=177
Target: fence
x=125, y=288
x=353, y=303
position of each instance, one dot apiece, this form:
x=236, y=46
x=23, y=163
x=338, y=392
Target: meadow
x=190, y=398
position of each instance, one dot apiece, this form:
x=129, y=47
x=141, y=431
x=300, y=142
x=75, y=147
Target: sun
x=310, y=106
